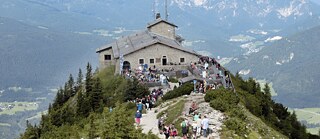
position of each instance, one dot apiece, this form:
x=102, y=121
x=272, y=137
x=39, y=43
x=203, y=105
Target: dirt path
x=149, y=121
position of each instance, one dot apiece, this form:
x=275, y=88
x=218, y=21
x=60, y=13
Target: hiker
x=205, y=125
x=199, y=126
x=138, y=117
x=166, y=131
x=196, y=116
x=193, y=107
x=139, y=107
x=147, y=103
x=160, y=124
x=184, y=125
x=174, y=131
x=194, y=129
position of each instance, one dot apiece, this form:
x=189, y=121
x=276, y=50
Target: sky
x=316, y=1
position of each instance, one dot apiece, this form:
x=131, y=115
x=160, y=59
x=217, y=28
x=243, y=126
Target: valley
x=43, y=41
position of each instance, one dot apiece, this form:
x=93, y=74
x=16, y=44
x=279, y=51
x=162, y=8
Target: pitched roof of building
x=159, y=20
x=134, y=42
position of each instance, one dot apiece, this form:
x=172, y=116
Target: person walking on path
x=138, y=116
x=205, y=125
x=184, y=125
x=139, y=107
x=198, y=126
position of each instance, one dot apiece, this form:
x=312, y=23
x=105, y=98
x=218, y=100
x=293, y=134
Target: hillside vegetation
x=252, y=113
x=81, y=110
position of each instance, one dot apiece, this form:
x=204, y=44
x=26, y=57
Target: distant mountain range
x=48, y=34
x=291, y=64
x=39, y=57
x=42, y=41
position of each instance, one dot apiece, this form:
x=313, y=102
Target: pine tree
x=89, y=83
x=82, y=107
x=267, y=91
x=96, y=95
x=59, y=100
x=79, y=82
x=71, y=86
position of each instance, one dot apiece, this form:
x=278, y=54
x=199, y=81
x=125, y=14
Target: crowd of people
x=146, y=103
x=210, y=70
x=147, y=75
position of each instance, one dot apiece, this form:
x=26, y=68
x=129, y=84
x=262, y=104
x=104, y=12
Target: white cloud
x=244, y=72
x=275, y=38
x=199, y=2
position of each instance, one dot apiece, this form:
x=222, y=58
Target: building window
x=141, y=61
x=107, y=57
x=182, y=60
x=151, y=61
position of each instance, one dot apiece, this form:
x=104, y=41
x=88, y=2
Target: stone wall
x=164, y=29
x=157, y=52
x=105, y=63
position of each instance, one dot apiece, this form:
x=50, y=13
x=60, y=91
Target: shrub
x=236, y=125
x=173, y=80
x=222, y=99
x=184, y=89
x=237, y=113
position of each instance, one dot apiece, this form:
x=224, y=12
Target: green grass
x=256, y=127
x=311, y=115
x=314, y=131
x=263, y=82
x=174, y=111
x=19, y=107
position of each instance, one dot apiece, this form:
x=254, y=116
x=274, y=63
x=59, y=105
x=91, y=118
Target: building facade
x=157, y=46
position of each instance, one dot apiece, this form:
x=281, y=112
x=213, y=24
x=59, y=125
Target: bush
x=184, y=89
x=237, y=113
x=237, y=125
x=173, y=80
x=222, y=99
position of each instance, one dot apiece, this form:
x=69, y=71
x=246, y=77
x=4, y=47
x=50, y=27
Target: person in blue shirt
x=139, y=107
x=138, y=116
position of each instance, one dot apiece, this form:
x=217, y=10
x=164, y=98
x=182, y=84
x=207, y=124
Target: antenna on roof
x=154, y=9
x=166, y=9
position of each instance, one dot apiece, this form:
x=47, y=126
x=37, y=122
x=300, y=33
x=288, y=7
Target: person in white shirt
x=205, y=125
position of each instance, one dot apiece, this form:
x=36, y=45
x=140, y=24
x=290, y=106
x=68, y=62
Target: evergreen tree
x=96, y=95
x=135, y=90
x=89, y=77
x=71, y=86
x=79, y=82
x=267, y=91
x=83, y=109
x=59, y=100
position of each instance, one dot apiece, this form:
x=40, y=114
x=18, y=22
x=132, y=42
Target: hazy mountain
x=38, y=56
x=205, y=24
x=42, y=41
x=291, y=64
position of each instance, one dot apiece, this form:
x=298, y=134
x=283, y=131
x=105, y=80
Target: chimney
x=158, y=16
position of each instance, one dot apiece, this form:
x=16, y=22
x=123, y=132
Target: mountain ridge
x=295, y=55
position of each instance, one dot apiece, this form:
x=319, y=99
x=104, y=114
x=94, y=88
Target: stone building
x=157, y=46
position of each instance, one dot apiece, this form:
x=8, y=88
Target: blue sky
x=316, y=1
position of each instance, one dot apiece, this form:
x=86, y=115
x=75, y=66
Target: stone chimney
x=158, y=16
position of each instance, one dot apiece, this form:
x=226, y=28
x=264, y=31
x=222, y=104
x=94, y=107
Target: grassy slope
x=257, y=128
